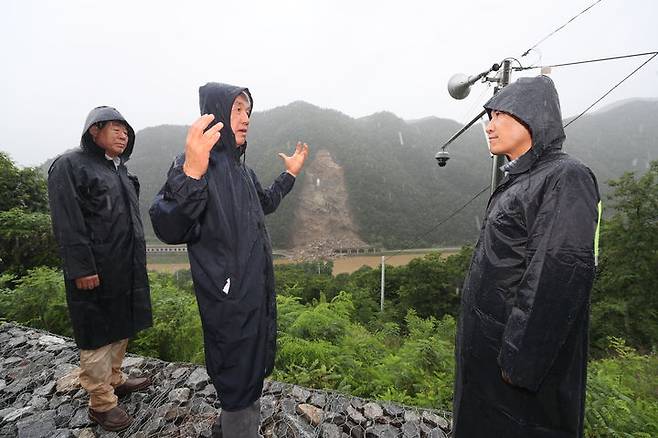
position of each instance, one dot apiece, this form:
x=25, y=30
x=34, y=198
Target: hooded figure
x=525, y=301
x=95, y=214
x=221, y=217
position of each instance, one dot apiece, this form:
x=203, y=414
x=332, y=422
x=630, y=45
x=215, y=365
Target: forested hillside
x=395, y=191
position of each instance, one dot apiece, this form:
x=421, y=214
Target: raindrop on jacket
x=221, y=217
x=525, y=301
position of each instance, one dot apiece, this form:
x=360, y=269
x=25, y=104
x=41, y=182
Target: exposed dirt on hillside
x=323, y=223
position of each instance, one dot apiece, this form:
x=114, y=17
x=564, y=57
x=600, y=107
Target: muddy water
x=351, y=264
x=341, y=264
x=167, y=267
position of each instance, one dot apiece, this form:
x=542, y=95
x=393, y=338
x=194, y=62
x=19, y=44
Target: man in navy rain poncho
x=521, y=347
x=213, y=202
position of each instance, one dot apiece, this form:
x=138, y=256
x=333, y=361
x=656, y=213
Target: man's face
x=240, y=119
x=112, y=137
x=507, y=136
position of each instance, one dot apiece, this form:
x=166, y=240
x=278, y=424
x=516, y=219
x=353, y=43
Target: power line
x=520, y=68
x=561, y=27
x=610, y=58
x=446, y=219
x=612, y=89
x=462, y=207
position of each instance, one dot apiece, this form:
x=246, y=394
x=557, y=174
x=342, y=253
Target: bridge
x=165, y=249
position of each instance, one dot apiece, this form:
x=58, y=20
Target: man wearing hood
x=521, y=347
x=213, y=202
x=95, y=214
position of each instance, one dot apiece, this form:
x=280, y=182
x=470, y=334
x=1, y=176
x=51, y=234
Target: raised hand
x=198, y=145
x=295, y=162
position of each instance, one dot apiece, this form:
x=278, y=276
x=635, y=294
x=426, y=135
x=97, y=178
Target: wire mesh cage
x=40, y=396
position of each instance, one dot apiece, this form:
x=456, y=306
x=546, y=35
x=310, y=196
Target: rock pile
x=323, y=209
x=40, y=396
x=325, y=249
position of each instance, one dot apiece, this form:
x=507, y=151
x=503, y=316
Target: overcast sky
x=147, y=58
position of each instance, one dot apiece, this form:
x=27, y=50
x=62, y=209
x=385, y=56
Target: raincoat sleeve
x=177, y=208
x=557, y=280
x=271, y=197
x=69, y=223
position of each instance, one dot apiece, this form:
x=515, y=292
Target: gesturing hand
x=198, y=145
x=295, y=162
x=87, y=283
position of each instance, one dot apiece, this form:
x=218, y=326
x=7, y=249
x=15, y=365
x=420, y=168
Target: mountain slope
x=388, y=189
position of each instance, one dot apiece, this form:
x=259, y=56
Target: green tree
x=432, y=283
x=21, y=188
x=26, y=241
x=26, y=238
x=36, y=300
x=176, y=333
x=308, y=280
x=625, y=298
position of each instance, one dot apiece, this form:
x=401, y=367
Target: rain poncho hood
x=525, y=301
x=106, y=114
x=94, y=207
x=221, y=218
x=217, y=99
x=539, y=109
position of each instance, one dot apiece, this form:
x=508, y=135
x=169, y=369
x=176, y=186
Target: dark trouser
x=239, y=424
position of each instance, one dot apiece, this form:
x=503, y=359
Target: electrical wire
x=561, y=27
x=446, y=219
x=610, y=58
x=612, y=89
x=462, y=207
x=520, y=68
x=477, y=195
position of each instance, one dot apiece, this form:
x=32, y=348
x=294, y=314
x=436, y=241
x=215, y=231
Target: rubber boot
x=243, y=423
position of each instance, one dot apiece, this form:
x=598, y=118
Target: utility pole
x=459, y=87
x=381, y=296
x=498, y=161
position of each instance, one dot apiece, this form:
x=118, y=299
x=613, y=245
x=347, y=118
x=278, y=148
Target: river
x=346, y=264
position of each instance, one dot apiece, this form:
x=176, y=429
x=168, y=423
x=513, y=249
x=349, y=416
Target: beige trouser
x=100, y=373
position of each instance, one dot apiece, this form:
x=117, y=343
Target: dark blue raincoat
x=221, y=217
x=525, y=302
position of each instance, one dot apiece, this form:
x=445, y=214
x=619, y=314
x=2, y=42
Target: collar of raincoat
x=217, y=99
x=106, y=114
x=534, y=101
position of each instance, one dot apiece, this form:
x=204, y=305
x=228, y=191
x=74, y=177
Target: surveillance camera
x=442, y=158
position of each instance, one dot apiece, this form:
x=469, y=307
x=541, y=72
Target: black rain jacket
x=525, y=301
x=95, y=213
x=221, y=217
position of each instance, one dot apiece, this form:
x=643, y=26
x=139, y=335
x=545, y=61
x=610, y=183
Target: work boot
x=132, y=385
x=113, y=420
